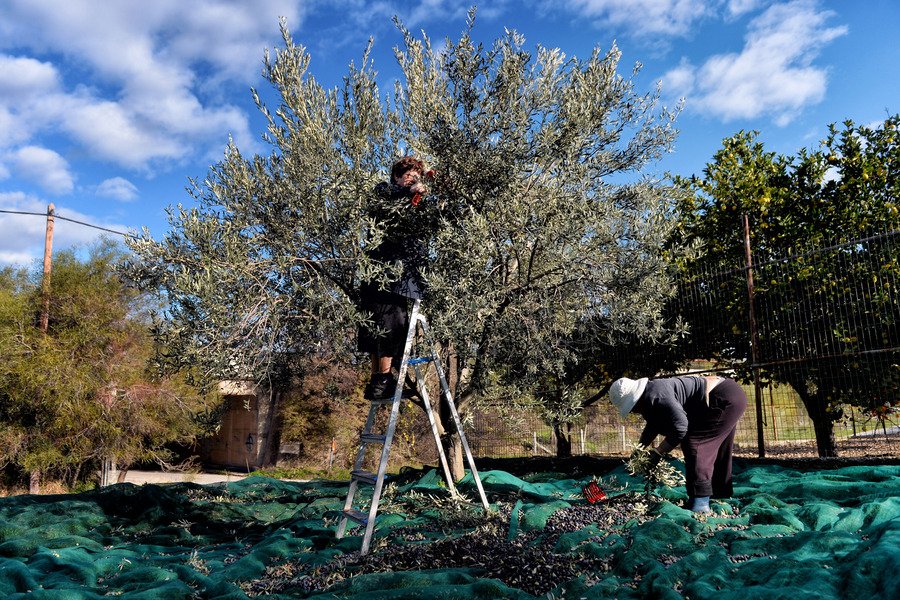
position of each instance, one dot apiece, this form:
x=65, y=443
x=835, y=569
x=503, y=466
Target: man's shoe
x=380, y=387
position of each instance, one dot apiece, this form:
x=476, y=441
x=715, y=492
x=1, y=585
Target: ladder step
x=405, y=395
x=419, y=360
x=372, y=438
x=357, y=516
x=364, y=476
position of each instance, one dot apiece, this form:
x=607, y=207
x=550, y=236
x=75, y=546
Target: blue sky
x=107, y=108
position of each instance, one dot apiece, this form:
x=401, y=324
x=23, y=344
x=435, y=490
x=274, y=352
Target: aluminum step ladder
x=358, y=476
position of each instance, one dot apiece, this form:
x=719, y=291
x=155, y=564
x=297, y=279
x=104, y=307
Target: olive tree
x=552, y=238
x=545, y=218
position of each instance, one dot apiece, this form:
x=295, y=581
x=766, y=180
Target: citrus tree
x=825, y=265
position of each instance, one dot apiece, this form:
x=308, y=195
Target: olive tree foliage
x=263, y=270
x=546, y=221
x=552, y=237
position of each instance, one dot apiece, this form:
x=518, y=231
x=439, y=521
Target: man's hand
x=655, y=457
x=418, y=188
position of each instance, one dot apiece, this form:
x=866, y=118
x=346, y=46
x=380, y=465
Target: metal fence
x=812, y=333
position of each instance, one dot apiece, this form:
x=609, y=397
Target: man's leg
x=730, y=396
x=721, y=477
x=707, y=446
x=380, y=364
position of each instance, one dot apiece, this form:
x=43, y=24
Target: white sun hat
x=624, y=393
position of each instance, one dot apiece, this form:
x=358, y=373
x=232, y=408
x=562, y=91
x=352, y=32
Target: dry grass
x=48, y=488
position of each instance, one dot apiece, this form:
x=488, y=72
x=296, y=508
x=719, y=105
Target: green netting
x=786, y=534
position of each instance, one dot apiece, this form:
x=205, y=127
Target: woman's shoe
x=701, y=505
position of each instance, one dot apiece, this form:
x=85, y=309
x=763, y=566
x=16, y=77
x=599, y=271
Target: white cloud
x=21, y=259
x=231, y=36
x=681, y=77
x=736, y=8
x=44, y=167
x=22, y=236
x=774, y=73
x=157, y=82
x=23, y=77
x=118, y=188
x=23, y=81
x=161, y=74
x=644, y=17
x=114, y=133
x=441, y=10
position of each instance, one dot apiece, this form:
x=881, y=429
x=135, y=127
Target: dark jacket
x=668, y=404
x=407, y=227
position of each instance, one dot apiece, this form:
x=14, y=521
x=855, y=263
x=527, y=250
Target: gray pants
x=709, y=442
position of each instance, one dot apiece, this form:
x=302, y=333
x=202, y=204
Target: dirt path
x=142, y=477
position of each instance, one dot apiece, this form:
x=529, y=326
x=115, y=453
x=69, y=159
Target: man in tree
x=398, y=209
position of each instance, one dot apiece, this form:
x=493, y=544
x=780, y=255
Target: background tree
x=843, y=191
x=545, y=219
x=82, y=393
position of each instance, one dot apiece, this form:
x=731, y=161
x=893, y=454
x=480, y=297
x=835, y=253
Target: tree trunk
x=271, y=436
x=563, y=433
x=34, y=482
x=452, y=444
x=450, y=439
x=123, y=472
x=823, y=424
x=824, y=428
x=453, y=448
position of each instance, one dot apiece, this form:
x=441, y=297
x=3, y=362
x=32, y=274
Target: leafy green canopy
x=535, y=234
x=538, y=238
x=81, y=393
x=827, y=304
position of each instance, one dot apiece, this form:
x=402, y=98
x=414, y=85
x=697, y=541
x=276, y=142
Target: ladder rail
x=416, y=319
x=392, y=425
x=448, y=477
x=357, y=464
x=452, y=405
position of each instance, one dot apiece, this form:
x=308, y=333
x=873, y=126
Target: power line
x=57, y=216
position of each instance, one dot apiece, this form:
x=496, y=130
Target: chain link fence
x=813, y=336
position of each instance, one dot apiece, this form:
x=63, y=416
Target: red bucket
x=592, y=492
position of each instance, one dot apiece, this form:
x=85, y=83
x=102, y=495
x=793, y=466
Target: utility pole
x=34, y=478
x=48, y=259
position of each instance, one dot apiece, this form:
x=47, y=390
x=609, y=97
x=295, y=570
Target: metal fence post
x=754, y=341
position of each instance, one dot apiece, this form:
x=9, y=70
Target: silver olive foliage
x=263, y=269
x=549, y=223
x=546, y=220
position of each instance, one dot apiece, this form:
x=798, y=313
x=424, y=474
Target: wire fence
x=813, y=336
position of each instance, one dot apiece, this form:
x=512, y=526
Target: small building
x=247, y=437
